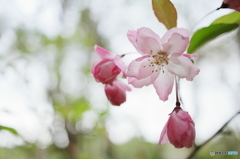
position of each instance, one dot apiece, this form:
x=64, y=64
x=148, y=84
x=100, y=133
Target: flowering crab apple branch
x=197, y=148
x=162, y=61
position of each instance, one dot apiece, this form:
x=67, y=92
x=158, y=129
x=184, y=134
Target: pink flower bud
x=107, y=69
x=179, y=129
x=116, y=92
x=234, y=4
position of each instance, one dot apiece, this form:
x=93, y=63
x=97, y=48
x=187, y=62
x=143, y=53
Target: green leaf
x=206, y=34
x=228, y=19
x=9, y=129
x=165, y=12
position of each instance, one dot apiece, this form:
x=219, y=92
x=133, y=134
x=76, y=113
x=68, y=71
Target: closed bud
x=116, y=92
x=179, y=129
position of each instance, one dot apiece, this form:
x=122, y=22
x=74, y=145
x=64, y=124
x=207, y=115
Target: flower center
x=160, y=59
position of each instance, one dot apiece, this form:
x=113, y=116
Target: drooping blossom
x=162, y=58
x=179, y=129
x=116, y=92
x=234, y=4
x=108, y=67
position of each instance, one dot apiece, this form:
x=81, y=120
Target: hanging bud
x=116, y=92
x=179, y=129
x=108, y=67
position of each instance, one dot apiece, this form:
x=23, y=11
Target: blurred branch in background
x=198, y=147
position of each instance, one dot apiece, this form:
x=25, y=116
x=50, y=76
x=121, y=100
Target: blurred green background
x=49, y=96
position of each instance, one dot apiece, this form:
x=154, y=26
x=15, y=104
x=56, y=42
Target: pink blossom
x=116, y=92
x=162, y=58
x=108, y=67
x=179, y=129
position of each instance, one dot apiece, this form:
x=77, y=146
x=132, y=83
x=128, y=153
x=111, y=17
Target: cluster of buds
x=106, y=71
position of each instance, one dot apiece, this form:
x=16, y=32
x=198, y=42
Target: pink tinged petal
x=182, y=67
x=164, y=84
x=184, y=116
x=123, y=86
x=94, y=66
x=189, y=55
x=116, y=92
x=169, y=33
x=105, y=71
x=189, y=136
x=140, y=76
x=143, y=82
x=144, y=40
x=163, y=138
x=132, y=37
x=176, y=44
x=180, y=129
x=176, y=129
x=120, y=64
x=140, y=68
x=188, y=141
x=148, y=41
x=102, y=53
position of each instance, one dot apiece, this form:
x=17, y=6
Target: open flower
x=179, y=129
x=116, y=92
x=162, y=59
x=108, y=67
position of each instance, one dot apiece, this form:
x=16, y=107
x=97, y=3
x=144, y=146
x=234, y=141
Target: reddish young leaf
x=165, y=12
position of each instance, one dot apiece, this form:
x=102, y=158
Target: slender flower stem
x=197, y=148
x=177, y=95
x=128, y=53
x=195, y=24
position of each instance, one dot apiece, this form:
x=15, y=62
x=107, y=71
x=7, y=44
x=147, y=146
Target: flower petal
x=145, y=40
x=189, y=141
x=168, y=34
x=176, y=129
x=163, y=138
x=143, y=82
x=140, y=68
x=132, y=36
x=180, y=129
x=189, y=55
x=182, y=67
x=116, y=92
x=176, y=44
x=102, y=53
x=164, y=84
x=120, y=64
x=105, y=71
x=124, y=86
